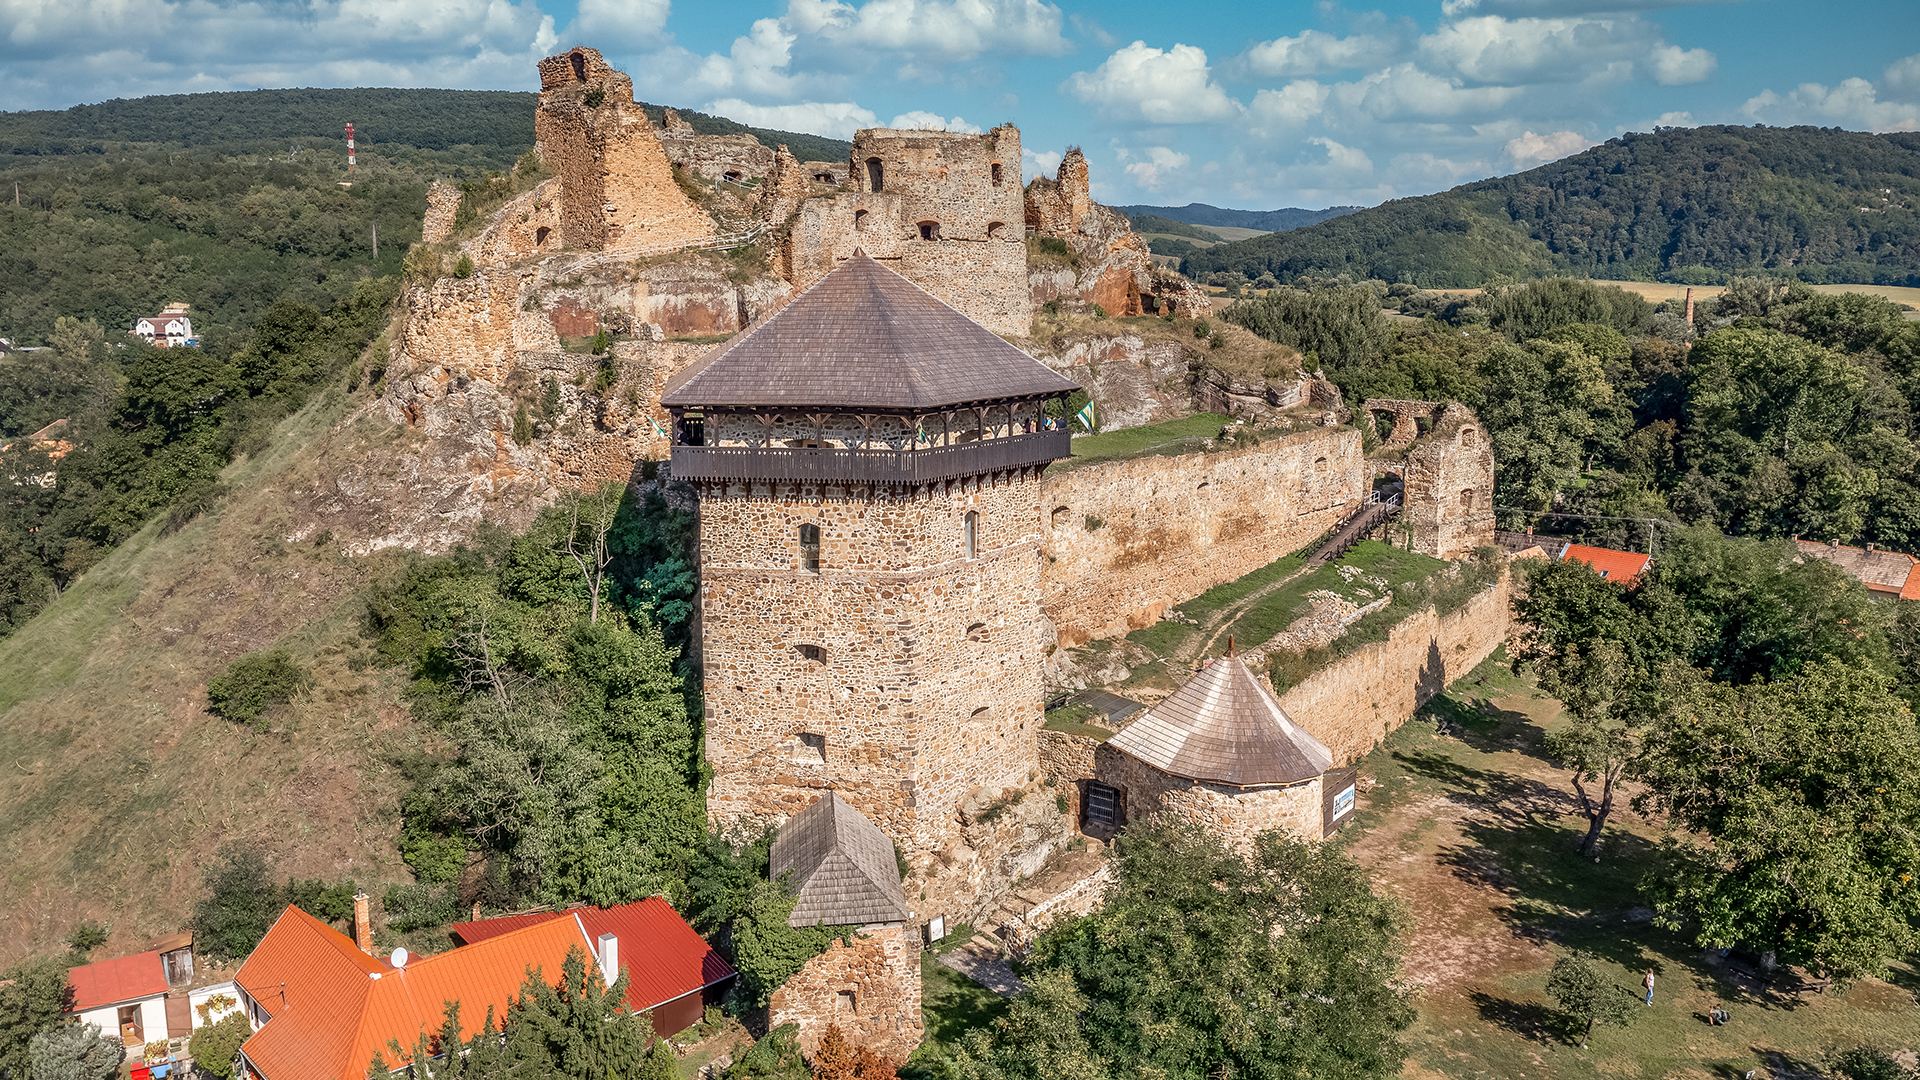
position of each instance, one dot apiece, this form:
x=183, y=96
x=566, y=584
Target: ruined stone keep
x=868, y=468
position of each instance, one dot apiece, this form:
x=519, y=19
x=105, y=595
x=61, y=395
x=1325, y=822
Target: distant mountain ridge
x=492, y=127
x=1291, y=217
x=1686, y=205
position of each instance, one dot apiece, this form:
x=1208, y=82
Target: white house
x=127, y=994
x=170, y=327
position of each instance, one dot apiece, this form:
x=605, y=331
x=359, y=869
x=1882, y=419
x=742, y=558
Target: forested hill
x=489, y=128
x=1290, y=217
x=1690, y=205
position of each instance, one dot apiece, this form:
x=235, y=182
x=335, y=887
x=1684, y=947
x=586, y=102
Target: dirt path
x=1218, y=622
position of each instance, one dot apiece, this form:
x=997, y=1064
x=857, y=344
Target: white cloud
x=1345, y=158
x=1852, y=104
x=1528, y=149
x=1042, y=162
x=53, y=52
x=1902, y=77
x=757, y=64
x=1675, y=66
x=921, y=120
x=1487, y=48
x=833, y=119
x=1158, y=169
x=959, y=30
x=1141, y=82
x=1088, y=25
x=1316, y=53
x=1405, y=92
x=620, y=24
x=1548, y=8
x=1295, y=103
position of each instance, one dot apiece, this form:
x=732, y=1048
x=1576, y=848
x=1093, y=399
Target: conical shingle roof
x=843, y=867
x=863, y=337
x=1223, y=726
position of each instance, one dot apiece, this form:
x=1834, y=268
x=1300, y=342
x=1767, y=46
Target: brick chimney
x=362, y=924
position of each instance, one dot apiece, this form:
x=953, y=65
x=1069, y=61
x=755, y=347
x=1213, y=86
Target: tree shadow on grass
x=1528, y=1019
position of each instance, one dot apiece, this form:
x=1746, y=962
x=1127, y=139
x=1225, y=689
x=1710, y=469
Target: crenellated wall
x=1166, y=529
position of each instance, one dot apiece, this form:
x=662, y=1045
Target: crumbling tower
x=616, y=186
x=868, y=464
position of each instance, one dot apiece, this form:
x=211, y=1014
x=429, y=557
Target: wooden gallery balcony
x=834, y=465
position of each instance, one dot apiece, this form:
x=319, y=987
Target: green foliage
x=34, y=996
x=253, y=683
x=1341, y=326
x=1587, y=997
x=214, y=1046
x=1204, y=963
x=463, y=266
x=578, y=1028
x=765, y=949
x=1537, y=308
x=775, y=1057
x=1672, y=203
x=1153, y=223
x=87, y=937
x=74, y=1052
x=1796, y=815
x=1868, y=1063
x=419, y=906
x=803, y=146
x=240, y=906
x=522, y=425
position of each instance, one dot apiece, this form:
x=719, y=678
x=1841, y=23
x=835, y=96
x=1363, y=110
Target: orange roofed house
x=126, y=996
x=1886, y=574
x=322, y=1008
x=1621, y=566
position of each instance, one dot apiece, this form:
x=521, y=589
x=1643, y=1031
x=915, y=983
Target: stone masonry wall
x=717, y=157
x=1235, y=815
x=616, y=186
x=927, y=688
x=1355, y=702
x=869, y=986
x=1449, y=486
x=443, y=202
x=1055, y=207
x=1170, y=528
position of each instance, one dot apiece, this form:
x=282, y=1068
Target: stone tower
x=868, y=465
x=616, y=186
x=1449, y=486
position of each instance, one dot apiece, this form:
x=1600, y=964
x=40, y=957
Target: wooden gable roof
x=842, y=866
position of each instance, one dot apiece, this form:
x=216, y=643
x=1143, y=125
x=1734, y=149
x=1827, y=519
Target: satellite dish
x=399, y=958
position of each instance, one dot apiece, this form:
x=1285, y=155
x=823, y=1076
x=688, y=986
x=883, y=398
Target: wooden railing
x=894, y=467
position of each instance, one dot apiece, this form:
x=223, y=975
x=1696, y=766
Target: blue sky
x=1247, y=105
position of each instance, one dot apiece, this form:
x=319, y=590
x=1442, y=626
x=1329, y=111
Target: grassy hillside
x=1687, y=205
x=120, y=784
x=1291, y=217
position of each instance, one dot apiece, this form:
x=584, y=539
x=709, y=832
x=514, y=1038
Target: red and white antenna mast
x=349, y=147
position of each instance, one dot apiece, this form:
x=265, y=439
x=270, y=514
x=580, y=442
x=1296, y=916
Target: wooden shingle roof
x=842, y=865
x=863, y=337
x=1223, y=726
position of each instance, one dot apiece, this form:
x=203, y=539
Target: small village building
x=1222, y=753
x=1621, y=566
x=845, y=873
x=126, y=995
x=1889, y=575
x=671, y=969
x=321, y=1008
x=169, y=328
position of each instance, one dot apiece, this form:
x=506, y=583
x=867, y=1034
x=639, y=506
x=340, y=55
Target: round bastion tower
x=868, y=464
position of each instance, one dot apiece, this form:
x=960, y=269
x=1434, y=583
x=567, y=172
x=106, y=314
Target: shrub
x=241, y=905
x=463, y=268
x=74, y=1052
x=254, y=683
x=214, y=1046
x=416, y=907
x=522, y=425
x=87, y=937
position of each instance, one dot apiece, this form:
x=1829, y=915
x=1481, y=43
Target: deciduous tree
x=1587, y=996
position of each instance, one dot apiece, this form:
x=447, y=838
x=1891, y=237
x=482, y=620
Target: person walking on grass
x=1648, y=983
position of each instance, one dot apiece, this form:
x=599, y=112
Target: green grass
x=1499, y=1022
x=952, y=1005
x=1072, y=719
x=1166, y=635
x=1172, y=436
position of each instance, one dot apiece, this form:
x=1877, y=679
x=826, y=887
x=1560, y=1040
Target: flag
x=657, y=429
x=1085, y=415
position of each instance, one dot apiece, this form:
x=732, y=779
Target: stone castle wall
x=1056, y=206
x=443, y=202
x=927, y=686
x=1170, y=528
x=1449, y=487
x=868, y=984
x=616, y=185
x=1359, y=700
x=736, y=157
x=1235, y=815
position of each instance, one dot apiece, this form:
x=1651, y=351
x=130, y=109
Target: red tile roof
x=663, y=957
x=111, y=982
x=1621, y=566
x=1882, y=571
x=332, y=1007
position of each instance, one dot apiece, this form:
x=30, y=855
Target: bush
x=241, y=905
x=74, y=1052
x=214, y=1046
x=254, y=683
x=463, y=268
x=87, y=937
x=417, y=907
x=522, y=425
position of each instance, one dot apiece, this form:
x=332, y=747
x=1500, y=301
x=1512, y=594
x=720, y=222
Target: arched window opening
x=859, y=221
x=996, y=174
x=810, y=548
x=1466, y=499
x=1060, y=516
x=929, y=230
x=970, y=533
x=1469, y=437
x=994, y=227
x=540, y=236
x=875, y=174
x=812, y=654
x=731, y=177
x=579, y=66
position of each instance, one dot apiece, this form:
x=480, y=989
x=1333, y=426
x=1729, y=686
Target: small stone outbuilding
x=1221, y=752
x=845, y=872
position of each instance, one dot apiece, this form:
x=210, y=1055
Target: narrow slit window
x=977, y=632
x=812, y=654
x=810, y=748
x=810, y=548
x=876, y=174
x=970, y=534
x=997, y=176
